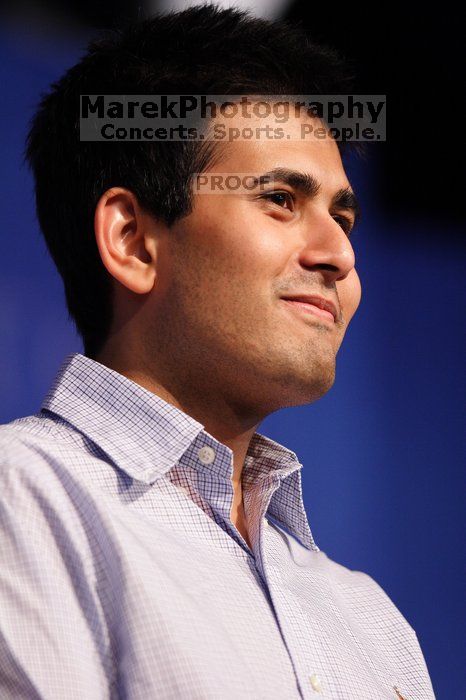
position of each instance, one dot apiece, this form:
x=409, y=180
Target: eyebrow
x=308, y=185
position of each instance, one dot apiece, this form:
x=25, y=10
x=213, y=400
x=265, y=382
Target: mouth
x=314, y=305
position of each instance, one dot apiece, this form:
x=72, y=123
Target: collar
x=145, y=436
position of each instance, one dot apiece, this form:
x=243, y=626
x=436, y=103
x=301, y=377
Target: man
x=154, y=544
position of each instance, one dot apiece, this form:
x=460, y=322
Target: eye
x=345, y=223
x=280, y=199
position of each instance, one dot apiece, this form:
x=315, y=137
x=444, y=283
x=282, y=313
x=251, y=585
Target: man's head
x=193, y=283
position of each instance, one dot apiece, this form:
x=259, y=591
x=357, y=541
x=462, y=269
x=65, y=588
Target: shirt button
x=206, y=455
x=315, y=683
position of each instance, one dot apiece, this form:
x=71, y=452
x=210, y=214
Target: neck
x=219, y=418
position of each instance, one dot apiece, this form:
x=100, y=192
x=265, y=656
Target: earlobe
x=125, y=248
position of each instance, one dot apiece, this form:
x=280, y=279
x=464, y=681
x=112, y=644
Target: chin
x=300, y=388
x=316, y=388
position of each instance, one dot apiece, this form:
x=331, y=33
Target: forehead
x=263, y=144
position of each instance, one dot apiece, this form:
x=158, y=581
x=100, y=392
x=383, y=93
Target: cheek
x=244, y=250
x=230, y=253
x=218, y=270
x=349, y=292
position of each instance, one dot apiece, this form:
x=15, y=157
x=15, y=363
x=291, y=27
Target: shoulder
x=368, y=601
x=46, y=509
x=20, y=446
x=42, y=459
x=28, y=454
x=39, y=440
x=40, y=428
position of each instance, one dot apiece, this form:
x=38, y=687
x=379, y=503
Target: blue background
x=382, y=451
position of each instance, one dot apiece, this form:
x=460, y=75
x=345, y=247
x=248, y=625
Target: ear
x=125, y=239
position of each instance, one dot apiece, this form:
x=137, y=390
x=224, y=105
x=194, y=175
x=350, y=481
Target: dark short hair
x=202, y=50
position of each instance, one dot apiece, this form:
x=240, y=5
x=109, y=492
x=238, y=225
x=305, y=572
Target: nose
x=327, y=248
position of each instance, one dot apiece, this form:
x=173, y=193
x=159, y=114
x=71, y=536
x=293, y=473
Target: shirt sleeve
x=53, y=642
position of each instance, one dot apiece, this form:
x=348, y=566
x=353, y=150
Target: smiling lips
x=313, y=304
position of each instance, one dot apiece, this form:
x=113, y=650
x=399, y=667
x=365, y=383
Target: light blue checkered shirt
x=122, y=575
